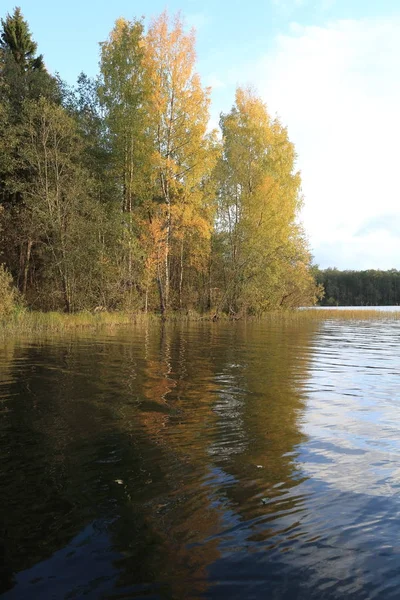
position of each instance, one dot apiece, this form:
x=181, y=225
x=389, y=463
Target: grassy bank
x=26, y=322
x=32, y=322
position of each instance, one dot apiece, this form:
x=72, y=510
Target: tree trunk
x=209, y=299
x=162, y=303
x=167, y=242
x=26, y=266
x=181, y=276
x=160, y=288
x=67, y=301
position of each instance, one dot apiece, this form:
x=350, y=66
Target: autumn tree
x=115, y=193
x=183, y=152
x=262, y=254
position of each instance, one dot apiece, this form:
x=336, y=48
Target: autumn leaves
x=216, y=211
x=115, y=193
x=157, y=113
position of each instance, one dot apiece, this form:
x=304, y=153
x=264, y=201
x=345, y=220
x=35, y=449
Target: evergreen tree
x=110, y=194
x=16, y=39
x=23, y=78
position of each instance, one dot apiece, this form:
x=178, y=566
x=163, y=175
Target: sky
x=330, y=69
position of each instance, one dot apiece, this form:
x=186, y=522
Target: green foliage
x=16, y=39
x=22, y=73
x=114, y=194
x=122, y=91
x=7, y=293
x=359, y=288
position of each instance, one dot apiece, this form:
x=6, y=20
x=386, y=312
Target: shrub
x=7, y=293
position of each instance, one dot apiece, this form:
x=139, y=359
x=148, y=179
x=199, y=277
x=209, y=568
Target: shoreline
x=36, y=322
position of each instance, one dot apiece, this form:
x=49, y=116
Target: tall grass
x=27, y=322
x=352, y=314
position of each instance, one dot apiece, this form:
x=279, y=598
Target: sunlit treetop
x=17, y=39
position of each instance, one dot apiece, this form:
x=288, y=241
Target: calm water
x=202, y=461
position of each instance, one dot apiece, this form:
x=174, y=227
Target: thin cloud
x=389, y=224
x=337, y=89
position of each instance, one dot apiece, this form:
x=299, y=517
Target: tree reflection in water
x=177, y=444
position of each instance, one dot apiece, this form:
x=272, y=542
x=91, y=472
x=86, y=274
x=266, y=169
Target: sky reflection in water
x=203, y=460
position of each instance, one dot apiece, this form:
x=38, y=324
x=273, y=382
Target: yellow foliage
x=266, y=255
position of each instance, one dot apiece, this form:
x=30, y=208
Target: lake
x=202, y=460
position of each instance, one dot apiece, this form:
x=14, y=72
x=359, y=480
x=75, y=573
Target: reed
x=347, y=314
x=26, y=322
x=32, y=322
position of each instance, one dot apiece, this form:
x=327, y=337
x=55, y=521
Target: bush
x=7, y=293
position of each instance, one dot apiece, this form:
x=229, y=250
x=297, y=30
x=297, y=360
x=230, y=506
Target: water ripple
x=202, y=461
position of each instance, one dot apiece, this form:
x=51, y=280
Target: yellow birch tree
x=264, y=256
x=183, y=151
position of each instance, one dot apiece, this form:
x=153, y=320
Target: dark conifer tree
x=17, y=40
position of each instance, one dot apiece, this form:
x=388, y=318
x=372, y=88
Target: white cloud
x=337, y=88
x=375, y=250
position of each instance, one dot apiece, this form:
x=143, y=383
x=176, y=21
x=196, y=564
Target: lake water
x=393, y=308
x=226, y=461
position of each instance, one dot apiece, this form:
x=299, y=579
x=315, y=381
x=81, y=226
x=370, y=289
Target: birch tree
x=264, y=254
x=182, y=157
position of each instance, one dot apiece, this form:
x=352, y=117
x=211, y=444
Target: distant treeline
x=115, y=194
x=359, y=288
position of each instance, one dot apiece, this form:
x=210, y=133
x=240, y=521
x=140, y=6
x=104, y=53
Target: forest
x=115, y=194
x=359, y=288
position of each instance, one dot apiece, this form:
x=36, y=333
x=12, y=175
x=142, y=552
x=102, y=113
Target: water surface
x=202, y=461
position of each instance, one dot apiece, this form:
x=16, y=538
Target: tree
x=360, y=288
x=264, y=262
x=23, y=77
x=66, y=220
x=116, y=193
x=23, y=73
x=7, y=293
x=183, y=152
x=16, y=38
x=83, y=104
x=124, y=95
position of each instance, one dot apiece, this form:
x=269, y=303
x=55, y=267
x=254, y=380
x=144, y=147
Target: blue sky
x=329, y=68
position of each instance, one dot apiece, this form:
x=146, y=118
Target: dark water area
x=220, y=461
